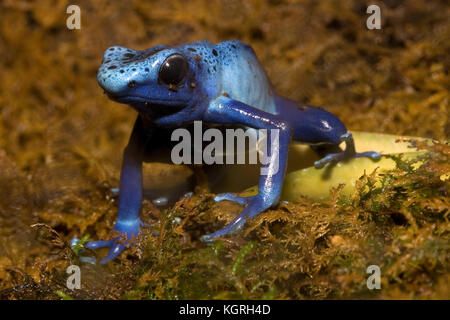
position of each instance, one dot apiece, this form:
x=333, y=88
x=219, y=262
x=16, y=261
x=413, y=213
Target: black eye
x=173, y=69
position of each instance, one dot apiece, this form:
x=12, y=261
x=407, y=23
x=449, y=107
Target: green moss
x=322, y=250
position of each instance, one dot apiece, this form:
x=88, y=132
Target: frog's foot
x=229, y=229
x=114, y=251
x=255, y=205
x=348, y=153
x=232, y=197
x=129, y=231
x=237, y=223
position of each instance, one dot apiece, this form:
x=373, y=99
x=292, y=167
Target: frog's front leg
x=348, y=153
x=130, y=196
x=229, y=111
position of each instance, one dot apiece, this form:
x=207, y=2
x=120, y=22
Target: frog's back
x=232, y=68
x=243, y=77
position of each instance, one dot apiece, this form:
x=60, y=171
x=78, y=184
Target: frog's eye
x=173, y=69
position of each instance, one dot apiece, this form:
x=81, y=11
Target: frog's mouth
x=157, y=108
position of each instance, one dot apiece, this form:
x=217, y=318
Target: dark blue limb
x=318, y=127
x=348, y=153
x=228, y=111
x=130, y=196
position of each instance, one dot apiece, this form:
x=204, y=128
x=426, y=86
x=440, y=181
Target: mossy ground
x=59, y=142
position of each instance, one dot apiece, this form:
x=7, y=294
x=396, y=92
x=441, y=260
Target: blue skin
x=222, y=84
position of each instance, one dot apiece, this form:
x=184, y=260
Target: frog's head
x=159, y=81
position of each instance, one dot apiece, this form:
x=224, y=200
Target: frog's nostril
x=131, y=84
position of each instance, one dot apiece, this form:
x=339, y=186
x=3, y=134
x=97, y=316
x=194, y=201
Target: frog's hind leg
x=320, y=129
x=348, y=153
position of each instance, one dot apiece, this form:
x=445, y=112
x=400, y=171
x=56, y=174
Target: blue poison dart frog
x=221, y=84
